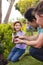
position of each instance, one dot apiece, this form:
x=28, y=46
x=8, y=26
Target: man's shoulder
x=41, y=36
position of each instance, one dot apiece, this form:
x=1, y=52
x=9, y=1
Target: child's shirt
x=21, y=46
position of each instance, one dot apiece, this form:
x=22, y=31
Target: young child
x=36, y=42
x=19, y=49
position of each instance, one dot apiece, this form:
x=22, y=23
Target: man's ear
x=34, y=20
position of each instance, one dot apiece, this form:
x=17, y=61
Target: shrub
x=5, y=38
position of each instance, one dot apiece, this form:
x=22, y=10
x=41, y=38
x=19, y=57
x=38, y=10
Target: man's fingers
x=20, y=36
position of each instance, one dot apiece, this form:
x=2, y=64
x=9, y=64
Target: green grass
x=26, y=60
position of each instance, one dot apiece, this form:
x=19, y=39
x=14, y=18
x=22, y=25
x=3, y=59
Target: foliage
x=23, y=5
x=0, y=11
x=5, y=37
x=1, y=48
x=23, y=20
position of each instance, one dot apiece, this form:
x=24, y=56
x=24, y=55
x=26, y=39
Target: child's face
x=39, y=20
x=17, y=26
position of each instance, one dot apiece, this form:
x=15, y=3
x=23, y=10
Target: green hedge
x=5, y=38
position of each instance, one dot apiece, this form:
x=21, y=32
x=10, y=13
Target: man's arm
x=30, y=38
x=37, y=43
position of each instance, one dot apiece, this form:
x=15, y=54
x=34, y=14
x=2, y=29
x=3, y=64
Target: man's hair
x=28, y=15
x=39, y=8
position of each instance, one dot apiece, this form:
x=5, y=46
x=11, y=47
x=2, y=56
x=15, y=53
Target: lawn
x=27, y=60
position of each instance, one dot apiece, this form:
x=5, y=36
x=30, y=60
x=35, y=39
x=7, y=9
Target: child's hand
x=19, y=40
x=15, y=38
x=22, y=37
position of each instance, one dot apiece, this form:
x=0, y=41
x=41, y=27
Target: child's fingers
x=18, y=40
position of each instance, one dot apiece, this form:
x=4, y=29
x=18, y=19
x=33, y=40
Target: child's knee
x=14, y=59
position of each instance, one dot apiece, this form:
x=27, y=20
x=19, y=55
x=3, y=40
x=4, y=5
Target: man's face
x=33, y=23
x=39, y=20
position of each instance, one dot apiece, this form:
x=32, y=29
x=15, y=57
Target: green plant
x=5, y=38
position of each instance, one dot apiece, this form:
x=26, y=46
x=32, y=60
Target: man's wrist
x=23, y=41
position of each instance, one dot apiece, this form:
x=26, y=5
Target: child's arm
x=12, y=37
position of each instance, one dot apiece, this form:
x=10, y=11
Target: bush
x=5, y=38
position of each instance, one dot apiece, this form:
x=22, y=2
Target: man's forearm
x=30, y=43
x=35, y=43
x=30, y=38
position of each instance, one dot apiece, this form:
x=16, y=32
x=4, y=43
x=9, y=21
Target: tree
x=0, y=11
x=9, y=11
x=23, y=5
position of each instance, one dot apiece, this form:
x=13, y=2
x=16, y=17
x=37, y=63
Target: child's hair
x=28, y=15
x=16, y=22
x=39, y=8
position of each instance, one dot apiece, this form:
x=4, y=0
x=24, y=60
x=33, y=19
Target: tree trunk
x=0, y=11
x=8, y=12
